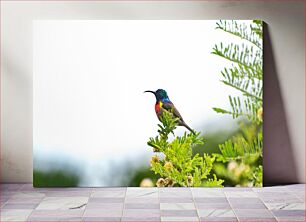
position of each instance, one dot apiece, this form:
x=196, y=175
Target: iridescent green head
x=160, y=94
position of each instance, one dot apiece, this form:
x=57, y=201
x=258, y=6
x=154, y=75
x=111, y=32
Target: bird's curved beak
x=149, y=91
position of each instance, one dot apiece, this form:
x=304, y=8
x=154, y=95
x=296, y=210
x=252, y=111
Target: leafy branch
x=245, y=75
x=238, y=148
x=176, y=164
x=241, y=30
x=242, y=153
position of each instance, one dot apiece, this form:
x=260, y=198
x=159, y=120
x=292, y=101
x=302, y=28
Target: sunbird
x=163, y=103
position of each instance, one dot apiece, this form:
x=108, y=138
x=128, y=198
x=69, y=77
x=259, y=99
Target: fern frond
x=241, y=54
x=241, y=31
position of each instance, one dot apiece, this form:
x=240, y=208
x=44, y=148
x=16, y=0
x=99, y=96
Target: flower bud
x=189, y=181
x=160, y=182
x=168, y=166
x=154, y=159
x=169, y=182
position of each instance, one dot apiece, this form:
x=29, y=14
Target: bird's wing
x=171, y=108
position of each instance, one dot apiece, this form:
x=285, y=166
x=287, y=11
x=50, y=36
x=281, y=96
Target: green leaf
x=219, y=110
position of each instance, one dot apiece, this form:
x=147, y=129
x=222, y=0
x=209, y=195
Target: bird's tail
x=191, y=130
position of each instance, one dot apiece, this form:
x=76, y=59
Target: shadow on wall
x=278, y=161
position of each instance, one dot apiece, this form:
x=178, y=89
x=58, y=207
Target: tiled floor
x=22, y=202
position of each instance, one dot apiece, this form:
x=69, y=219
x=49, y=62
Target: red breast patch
x=158, y=105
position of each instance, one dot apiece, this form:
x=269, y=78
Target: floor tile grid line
x=5, y=202
x=197, y=210
x=231, y=206
x=29, y=216
x=90, y=194
x=158, y=197
x=123, y=207
x=259, y=197
x=20, y=189
x=297, y=196
x=23, y=186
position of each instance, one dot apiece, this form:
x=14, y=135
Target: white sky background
x=89, y=78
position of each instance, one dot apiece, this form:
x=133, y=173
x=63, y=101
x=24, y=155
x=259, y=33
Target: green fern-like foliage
x=242, y=154
x=239, y=148
x=174, y=160
x=245, y=73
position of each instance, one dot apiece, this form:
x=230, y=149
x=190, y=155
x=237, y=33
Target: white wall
x=285, y=22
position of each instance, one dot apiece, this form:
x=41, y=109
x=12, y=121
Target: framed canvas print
x=166, y=103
